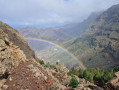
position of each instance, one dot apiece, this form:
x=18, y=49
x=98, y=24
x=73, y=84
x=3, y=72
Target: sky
x=49, y=12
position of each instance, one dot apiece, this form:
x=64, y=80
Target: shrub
x=41, y=62
x=61, y=71
x=6, y=42
x=57, y=63
x=74, y=82
x=53, y=74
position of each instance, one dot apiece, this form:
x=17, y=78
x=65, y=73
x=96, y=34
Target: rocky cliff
x=10, y=57
x=15, y=37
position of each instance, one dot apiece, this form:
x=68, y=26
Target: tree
x=75, y=72
x=90, y=78
x=81, y=73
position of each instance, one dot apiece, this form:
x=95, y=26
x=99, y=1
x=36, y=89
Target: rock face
x=114, y=83
x=17, y=40
x=10, y=57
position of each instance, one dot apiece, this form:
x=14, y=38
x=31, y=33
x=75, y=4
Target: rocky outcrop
x=60, y=75
x=114, y=83
x=10, y=57
x=17, y=40
x=32, y=76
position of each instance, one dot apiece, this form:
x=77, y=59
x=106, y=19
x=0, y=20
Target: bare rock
x=4, y=87
x=114, y=83
x=15, y=37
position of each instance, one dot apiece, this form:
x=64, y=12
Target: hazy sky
x=49, y=12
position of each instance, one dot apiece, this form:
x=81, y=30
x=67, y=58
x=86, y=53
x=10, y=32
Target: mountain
x=20, y=72
x=99, y=45
x=50, y=34
x=77, y=29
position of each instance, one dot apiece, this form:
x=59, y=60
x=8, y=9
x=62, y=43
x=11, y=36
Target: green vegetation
x=92, y=41
x=57, y=63
x=53, y=74
x=41, y=62
x=1, y=38
x=98, y=76
x=74, y=82
x=61, y=71
x=6, y=42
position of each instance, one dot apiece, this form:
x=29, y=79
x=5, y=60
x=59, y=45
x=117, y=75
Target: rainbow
x=73, y=56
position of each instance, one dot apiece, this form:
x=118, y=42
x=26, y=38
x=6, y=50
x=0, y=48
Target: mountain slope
x=17, y=39
x=99, y=45
x=77, y=29
x=50, y=34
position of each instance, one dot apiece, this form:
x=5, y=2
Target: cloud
x=31, y=12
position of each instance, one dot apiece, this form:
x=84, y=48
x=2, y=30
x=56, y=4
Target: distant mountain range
x=50, y=34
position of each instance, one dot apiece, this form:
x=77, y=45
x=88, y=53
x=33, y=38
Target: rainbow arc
x=59, y=46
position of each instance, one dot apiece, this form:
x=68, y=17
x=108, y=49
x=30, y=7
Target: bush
x=74, y=82
x=7, y=43
x=75, y=72
x=53, y=74
x=41, y=62
x=61, y=71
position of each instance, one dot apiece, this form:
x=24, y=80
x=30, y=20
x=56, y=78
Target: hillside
x=20, y=72
x=50, y=34
x=77, y=29
x=99, y=45
x=53, y=54
x=17, y=39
